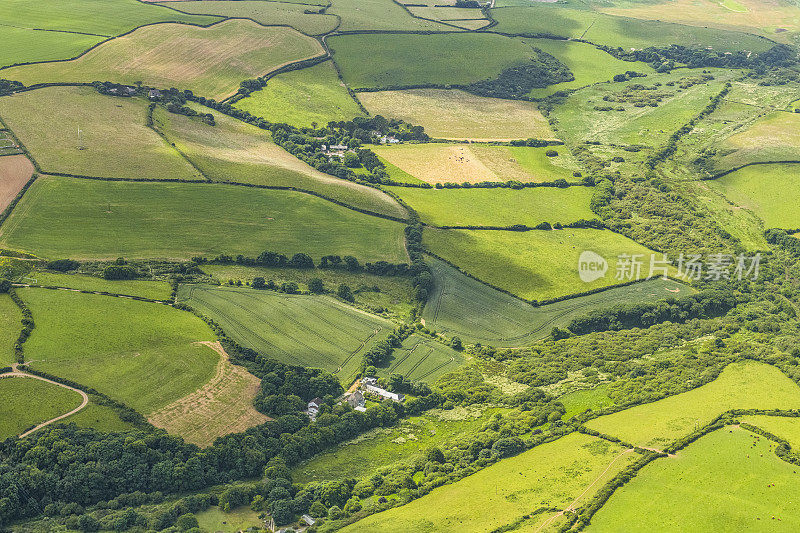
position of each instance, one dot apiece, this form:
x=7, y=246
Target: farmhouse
x=313, y=407
x=356, y=400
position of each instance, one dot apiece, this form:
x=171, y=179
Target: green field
x=729, y=480
x=772, y=192
x=614, y=31
x=462, y=306
x=24, y=45
x=588, y=64
x=550, y=475
x=536, y=265
x=10, y=326
x=267, y=13
x=101, y=17
x=422, y=359
x=302, y=97
x=773, y=137
x=312, y=331
x=209, y=61
x=580, y=401
x=67, y=217
x=370, y=60
x=98, y=417
x=215, y=519
x=381, y=447
x=47, y=122
x=498, y=207
x=748, y=385
x=378, y=15
x=785, y=427
x=156, y=290
x=139, y=353
x=239, y=152
x=454, y=114
x=26, y=402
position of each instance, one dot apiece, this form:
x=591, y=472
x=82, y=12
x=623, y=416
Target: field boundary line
x=99, y=293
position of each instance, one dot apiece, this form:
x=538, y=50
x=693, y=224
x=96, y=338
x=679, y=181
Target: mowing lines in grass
x=85, y=219
x=311, y=331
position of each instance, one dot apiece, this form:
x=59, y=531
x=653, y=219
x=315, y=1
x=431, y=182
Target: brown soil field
x=223, y=405
x=438, y=163
x=15, y=171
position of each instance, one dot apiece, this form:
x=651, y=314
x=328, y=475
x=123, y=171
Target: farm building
x=356, y=399
x=383, y=393
x=313, y=407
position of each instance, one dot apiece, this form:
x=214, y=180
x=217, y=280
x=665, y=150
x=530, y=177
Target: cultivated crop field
x=537, y=265
x=383, y=61
x=232, y=151
x=26, y=402
x=422, y=359
x=550, y=475
x=465, y=307
x=747, y=385
x=210, y=61
x=729, y=479
x=498, y=207
x=67, y=130
x=302, y=97
x=454, y=114
x=313, y=331
x=62, y=217
x=148, y=356
x=16, y=171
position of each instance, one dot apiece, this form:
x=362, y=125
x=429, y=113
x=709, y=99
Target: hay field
x=146, y=356
x=26, y=402
x=313, y=331
x=536, y=265
x=386, y=60
x=460, y=115
x=378, y=15
x=238, y=152
x=302, y=97
x=15, y=172
x=550, y=475
x=498, y=207
x=223, y=405
x=209, y=61
x=745, y=385
x=89, y=219
x=729, y=480
x=114, y=141
x=267, y=13
x=774, y=137
x=464, y=307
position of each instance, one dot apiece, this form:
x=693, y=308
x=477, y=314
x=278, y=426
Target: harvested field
x=209, y=61
x=15, y=172
x=458, y=115
x=223, y=405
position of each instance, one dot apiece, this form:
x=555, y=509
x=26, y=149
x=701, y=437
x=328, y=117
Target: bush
x=345, y=293
x=5, y=285
x=259, y=283
x=63, y=265
x=186, y=522
x=119, y=272
x=316, y=286
x=551, y=153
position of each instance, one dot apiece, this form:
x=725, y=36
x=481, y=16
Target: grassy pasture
x=498, y=207
x=68, y=217
x=101, y=17
x=550, y=475
x=267, y=13
x=423, y=359
x=469, y=309
x=47, y=123
x=98, y=417
x=588, y=64
x=582, y=400
x=775, y=137
x=209, y=61
x=454, y=114
x=10, y=326
x=729, y=480
x=300, y=97
x=157, y=290
x=381, y=447
x=239, y=152
x=787, y=428
x=24, y=45
x=15, y=171
x=611, y=30
x=772, y=192
x=457, y=163
x=378, y=15
x=26, y=402
x=370, y=60
x=217, y=520
x=748, y=385
x=312, y=331
x=536, y=265
x=142, y=354
x=450, y=14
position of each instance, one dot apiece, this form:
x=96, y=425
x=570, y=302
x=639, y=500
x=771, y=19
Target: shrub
x=119, y=272
x=63, y=265
x=316, y=286
x=551, y=153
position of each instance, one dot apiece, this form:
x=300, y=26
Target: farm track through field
x=420, y=361
x=347, y=360
x=16, y=373
x=436, y=368
x=402, y=359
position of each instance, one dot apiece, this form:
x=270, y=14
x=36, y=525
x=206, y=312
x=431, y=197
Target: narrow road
x=16, y=373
